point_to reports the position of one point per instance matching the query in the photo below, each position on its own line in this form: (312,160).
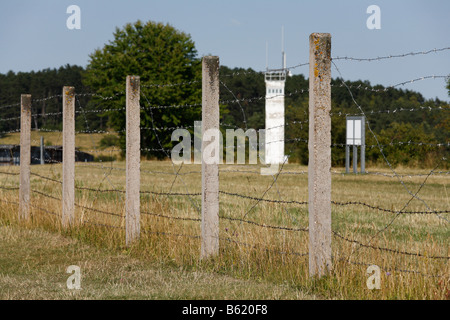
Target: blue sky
(34,36)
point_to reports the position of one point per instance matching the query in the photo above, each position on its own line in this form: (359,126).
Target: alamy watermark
(74,20)
(374,280)
(374,21)
(74,281)
(213,152)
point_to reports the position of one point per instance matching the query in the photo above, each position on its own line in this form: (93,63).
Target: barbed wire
(359,203)
(389,269)
(394,111)
(346,58)
(97,95)
(45,210)
(31,206)
(381,149)
(259,247)
(387,88)
(395,251)
(156,85)
(392,56)
(9,188)
(10,173)
(263,225)
(400,143)
(60,96)
(371,146)
(10,105)
(411,175)
(275,201)
(47,98)
(104,225)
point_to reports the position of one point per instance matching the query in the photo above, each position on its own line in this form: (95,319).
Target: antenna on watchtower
(267,55)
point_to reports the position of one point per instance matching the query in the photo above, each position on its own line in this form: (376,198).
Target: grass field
(261,243)
(33,265)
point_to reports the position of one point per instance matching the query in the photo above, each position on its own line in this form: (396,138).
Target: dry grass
(254,253)
(33,266)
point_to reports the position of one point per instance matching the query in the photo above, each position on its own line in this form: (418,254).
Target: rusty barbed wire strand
(402,55)
(389,270)
(337,203)
(88,222)
(395,251)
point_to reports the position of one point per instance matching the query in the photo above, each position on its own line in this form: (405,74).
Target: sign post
(356,136)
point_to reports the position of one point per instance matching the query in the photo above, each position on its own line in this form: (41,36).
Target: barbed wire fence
(170,191)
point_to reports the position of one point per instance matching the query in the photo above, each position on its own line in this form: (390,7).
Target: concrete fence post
(133,159)
(210,164)
(319,145)
(68,186)
(25,157)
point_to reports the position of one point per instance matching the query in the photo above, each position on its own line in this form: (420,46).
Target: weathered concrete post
(68,186)
(210,167)
(319,167)
(25,157)
(133,159)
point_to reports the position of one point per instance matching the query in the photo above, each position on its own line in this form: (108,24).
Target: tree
(166,61)
(45,87)
(242,84)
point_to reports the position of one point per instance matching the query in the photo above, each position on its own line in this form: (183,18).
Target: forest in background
(416,134)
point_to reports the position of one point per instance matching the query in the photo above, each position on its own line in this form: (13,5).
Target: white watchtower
(274,140)
(275,81)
